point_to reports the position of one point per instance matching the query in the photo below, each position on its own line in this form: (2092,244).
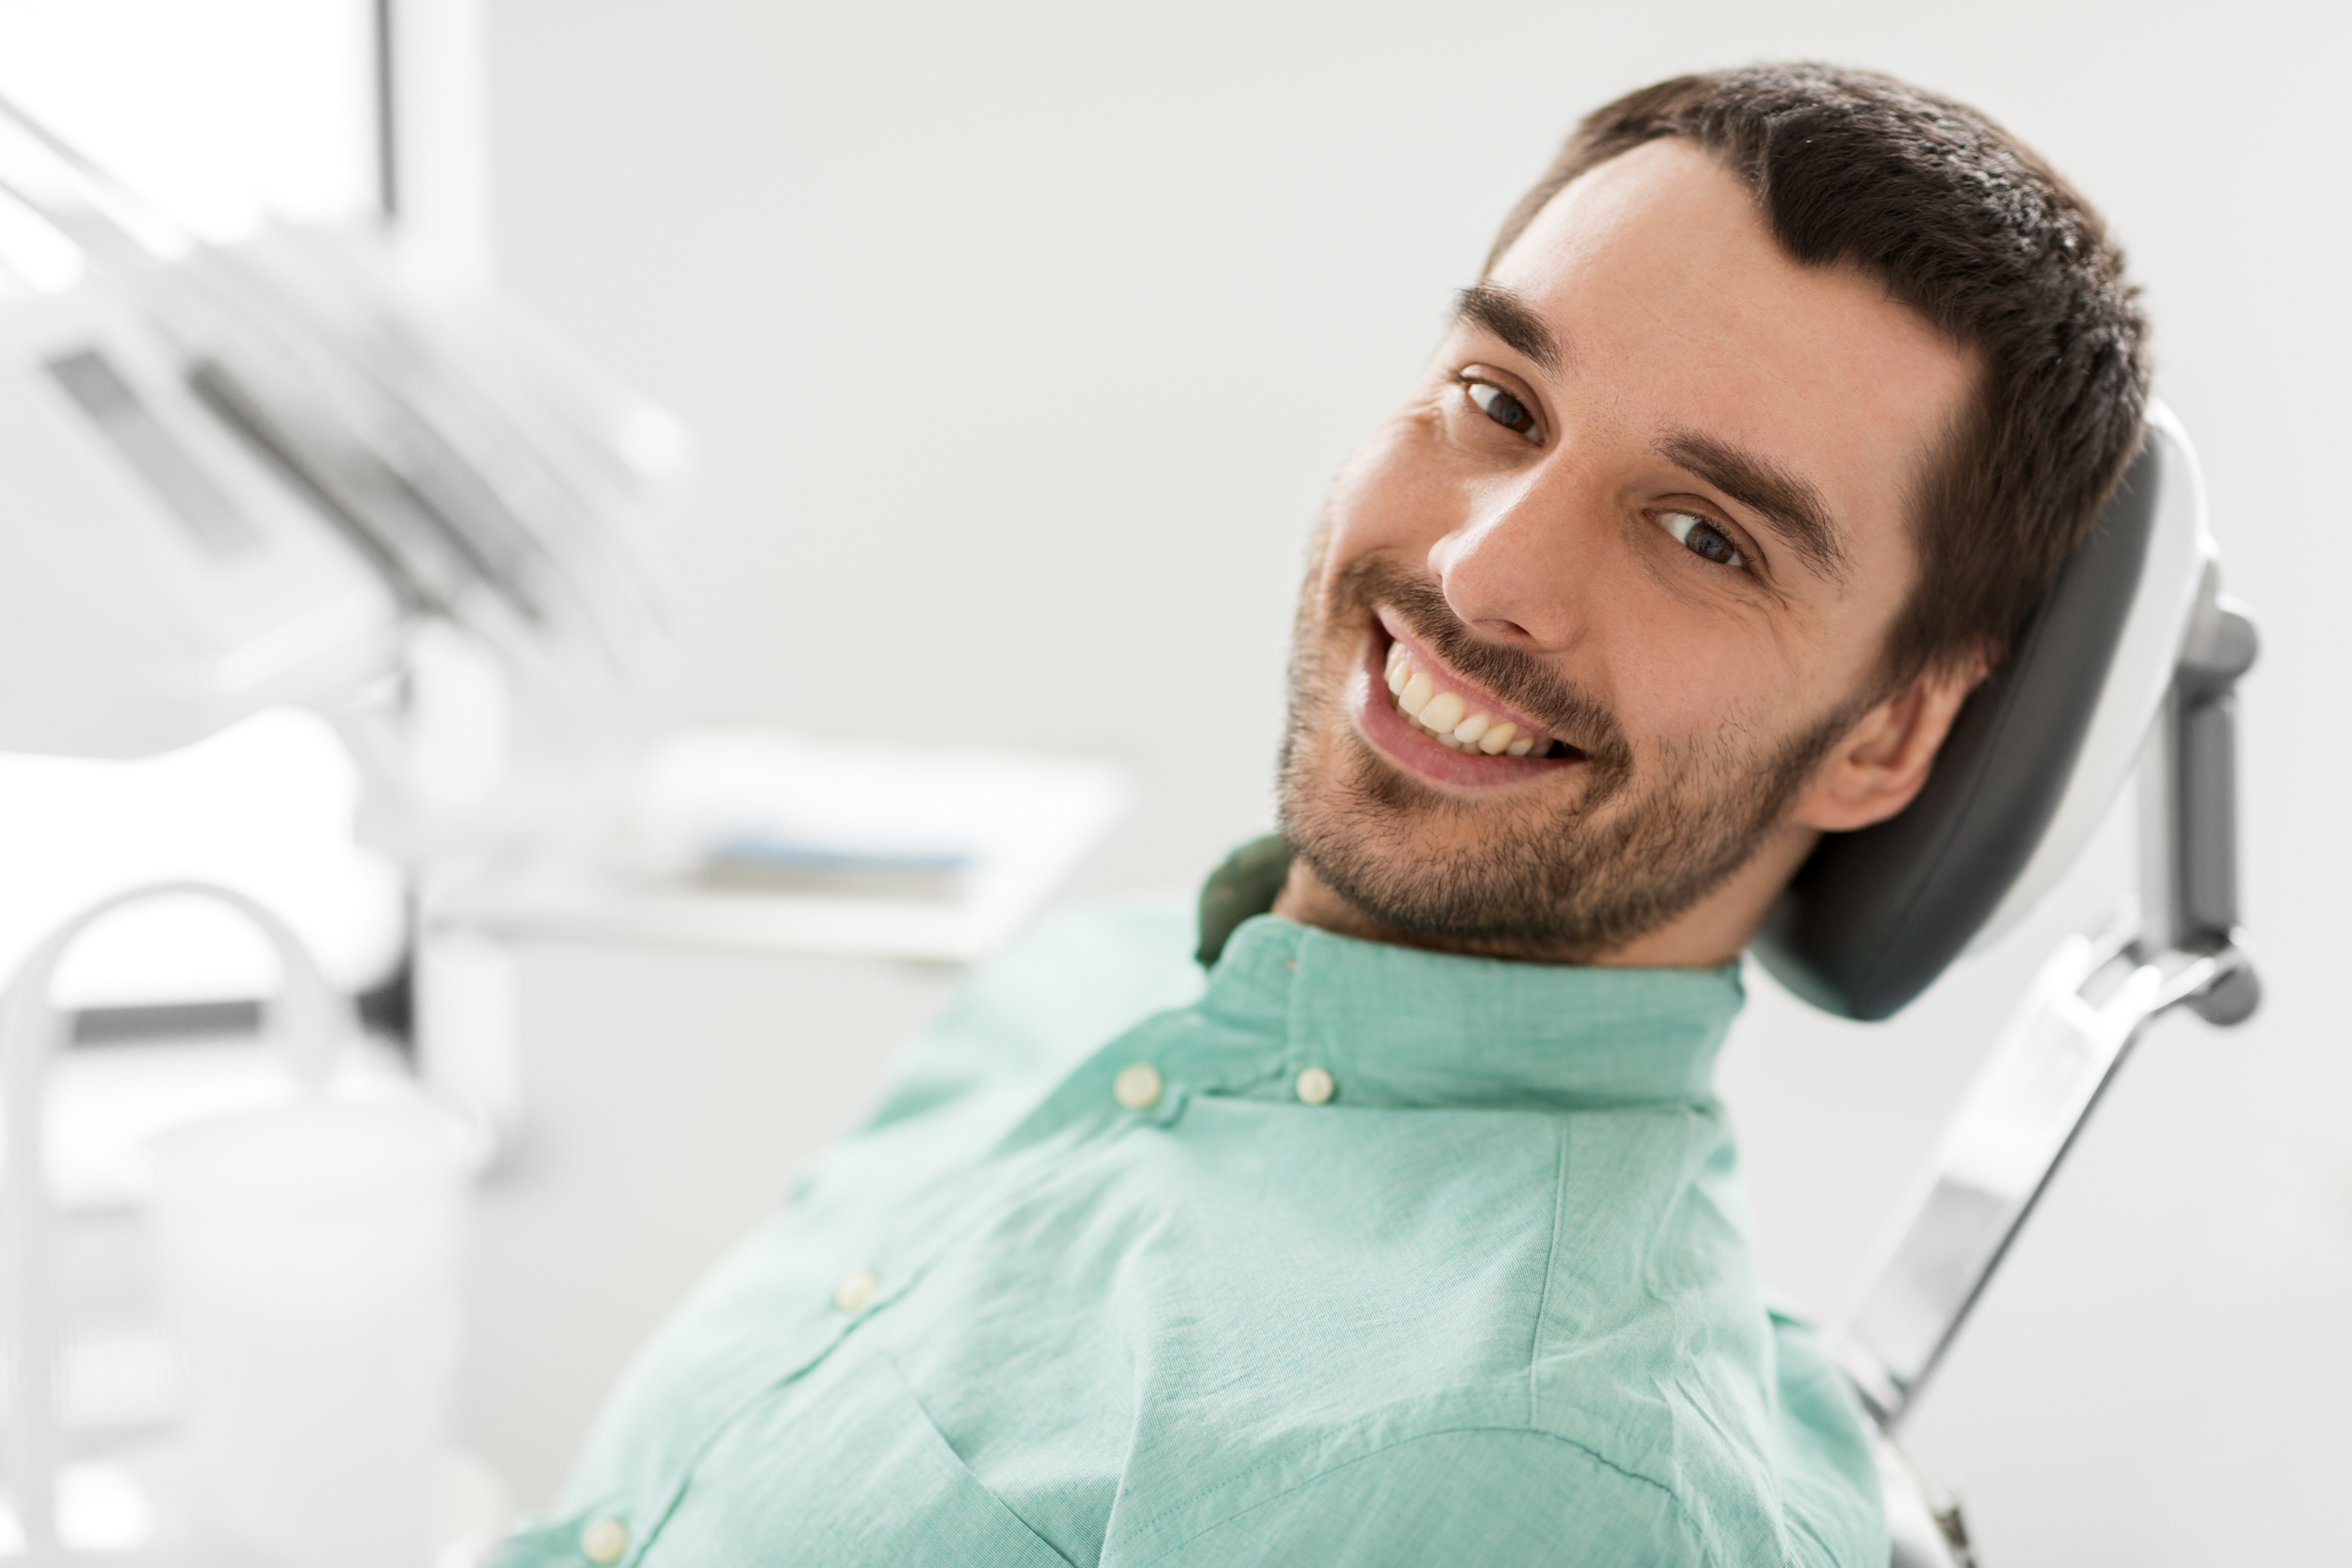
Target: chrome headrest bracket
(2086,1008)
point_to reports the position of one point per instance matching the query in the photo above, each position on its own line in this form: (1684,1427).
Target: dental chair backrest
(2129,664)
(2034,761)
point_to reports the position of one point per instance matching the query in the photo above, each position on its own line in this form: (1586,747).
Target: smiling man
(1598,633)
(1411,1235)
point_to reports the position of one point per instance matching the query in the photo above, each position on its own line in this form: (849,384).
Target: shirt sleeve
(1452,1497)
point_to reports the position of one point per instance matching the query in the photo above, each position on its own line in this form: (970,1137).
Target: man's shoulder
(1734,1407)
(1424,1484)
(1694,1428)
(1713,1440)
(1079,978)
(1440,1492)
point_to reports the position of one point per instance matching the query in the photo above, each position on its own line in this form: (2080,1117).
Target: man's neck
(1710,931)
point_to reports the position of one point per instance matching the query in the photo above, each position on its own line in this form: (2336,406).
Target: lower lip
(1374,710)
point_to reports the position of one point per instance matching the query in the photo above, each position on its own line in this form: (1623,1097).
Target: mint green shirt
(1488,1300)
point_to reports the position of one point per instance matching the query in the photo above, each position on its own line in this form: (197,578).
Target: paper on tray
(759,838)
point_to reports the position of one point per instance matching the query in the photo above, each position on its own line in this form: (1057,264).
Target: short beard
(1568,884)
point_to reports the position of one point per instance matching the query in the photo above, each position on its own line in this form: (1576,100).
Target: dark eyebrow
(1788,503)
(1502,312)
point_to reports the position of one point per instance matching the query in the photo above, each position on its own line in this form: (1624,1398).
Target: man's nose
(1519,566)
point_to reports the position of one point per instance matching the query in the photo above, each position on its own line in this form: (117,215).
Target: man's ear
(1881,760)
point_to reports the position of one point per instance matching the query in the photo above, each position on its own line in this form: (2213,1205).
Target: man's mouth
(1460,723)
(1413,705)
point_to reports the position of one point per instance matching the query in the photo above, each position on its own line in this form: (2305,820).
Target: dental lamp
(246,476)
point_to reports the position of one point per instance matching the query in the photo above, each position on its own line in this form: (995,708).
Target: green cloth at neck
(1247,884)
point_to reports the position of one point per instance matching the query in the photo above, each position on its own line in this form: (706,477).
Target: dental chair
(2130,663)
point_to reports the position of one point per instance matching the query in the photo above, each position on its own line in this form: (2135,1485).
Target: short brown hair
(1969,228)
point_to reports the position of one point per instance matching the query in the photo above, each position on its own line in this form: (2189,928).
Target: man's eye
(1504,409)
(1700,537)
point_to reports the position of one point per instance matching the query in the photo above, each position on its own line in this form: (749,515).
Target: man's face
(1649,509)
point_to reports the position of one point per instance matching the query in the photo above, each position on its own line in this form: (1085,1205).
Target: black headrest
(1874,916)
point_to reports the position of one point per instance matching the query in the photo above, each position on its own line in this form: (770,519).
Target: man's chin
(1506,874)
(1418,859)
(1414,804)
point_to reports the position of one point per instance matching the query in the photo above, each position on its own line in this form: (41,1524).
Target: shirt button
(1137,1087)
(1314,1086)
(856,1289)
(604,1541)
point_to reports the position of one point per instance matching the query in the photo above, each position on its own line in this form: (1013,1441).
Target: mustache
(1567,710)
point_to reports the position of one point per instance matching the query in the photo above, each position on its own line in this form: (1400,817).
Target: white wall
(1025,339)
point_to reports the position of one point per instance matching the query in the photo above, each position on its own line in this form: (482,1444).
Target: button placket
(1318,1049)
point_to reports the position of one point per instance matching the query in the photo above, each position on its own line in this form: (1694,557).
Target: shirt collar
(1399,1025)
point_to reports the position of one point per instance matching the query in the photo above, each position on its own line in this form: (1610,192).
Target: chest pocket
(841,1467)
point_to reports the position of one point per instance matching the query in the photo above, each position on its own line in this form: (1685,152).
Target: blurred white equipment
(275,475)
(310,1262)
(309,1256)
(755,839)
(237,480)
(244,477)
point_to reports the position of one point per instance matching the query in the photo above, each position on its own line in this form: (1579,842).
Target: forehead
(1680,313)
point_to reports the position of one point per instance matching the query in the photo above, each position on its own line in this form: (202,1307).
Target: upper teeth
(1446,717)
